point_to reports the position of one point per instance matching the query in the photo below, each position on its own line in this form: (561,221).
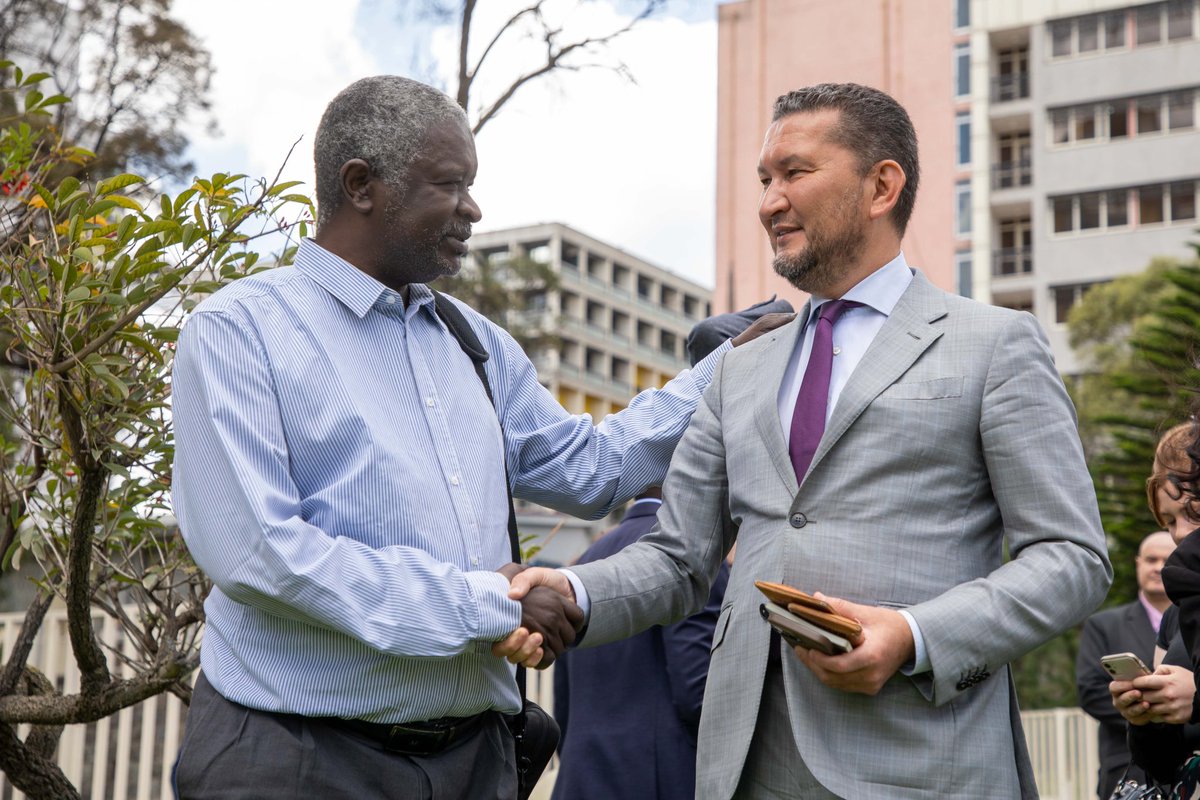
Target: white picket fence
(129,756)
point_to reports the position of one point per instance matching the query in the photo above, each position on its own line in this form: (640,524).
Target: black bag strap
(470,344)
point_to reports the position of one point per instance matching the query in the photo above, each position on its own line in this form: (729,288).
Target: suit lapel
(772,361)
(907,333)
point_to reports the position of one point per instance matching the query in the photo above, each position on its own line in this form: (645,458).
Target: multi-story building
(916,50)
(1085,149)
(621,325)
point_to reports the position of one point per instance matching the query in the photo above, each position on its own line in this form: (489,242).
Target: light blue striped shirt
(339,476)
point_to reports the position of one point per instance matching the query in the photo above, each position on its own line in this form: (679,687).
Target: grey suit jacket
(953,438)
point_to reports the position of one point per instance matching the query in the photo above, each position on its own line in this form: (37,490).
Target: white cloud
(632,164)
(277,67)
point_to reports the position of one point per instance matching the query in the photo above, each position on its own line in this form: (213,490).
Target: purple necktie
(808,418)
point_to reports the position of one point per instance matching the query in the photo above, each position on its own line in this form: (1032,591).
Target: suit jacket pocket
(936,389)
(722,626)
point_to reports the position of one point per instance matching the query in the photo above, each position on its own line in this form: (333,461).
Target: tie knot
(834,309)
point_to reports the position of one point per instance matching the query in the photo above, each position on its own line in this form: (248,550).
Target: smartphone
(1124,666)
(798,632)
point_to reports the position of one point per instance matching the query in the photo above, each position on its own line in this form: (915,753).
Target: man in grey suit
(883,450)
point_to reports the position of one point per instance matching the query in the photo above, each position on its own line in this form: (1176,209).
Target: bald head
(1152,555)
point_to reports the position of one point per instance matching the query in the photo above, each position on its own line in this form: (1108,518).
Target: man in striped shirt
(340,475)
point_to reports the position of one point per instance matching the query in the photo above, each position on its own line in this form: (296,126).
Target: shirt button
(429,402)
(837,351)
(797,520)
(391,300)
(474,562)
(454,480)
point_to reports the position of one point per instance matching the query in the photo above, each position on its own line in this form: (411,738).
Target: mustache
(457,230)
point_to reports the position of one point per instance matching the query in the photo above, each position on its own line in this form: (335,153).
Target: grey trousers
(774,769)
(230,751)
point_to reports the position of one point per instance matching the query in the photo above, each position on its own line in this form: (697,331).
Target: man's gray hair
(381,120)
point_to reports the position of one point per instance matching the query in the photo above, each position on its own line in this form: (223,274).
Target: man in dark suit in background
(1130,628)
(630,710)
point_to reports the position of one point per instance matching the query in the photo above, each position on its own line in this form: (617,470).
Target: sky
(630,163)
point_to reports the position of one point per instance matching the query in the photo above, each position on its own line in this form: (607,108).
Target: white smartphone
(1124,666)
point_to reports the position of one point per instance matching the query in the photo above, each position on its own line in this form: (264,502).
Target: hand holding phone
(1124,666)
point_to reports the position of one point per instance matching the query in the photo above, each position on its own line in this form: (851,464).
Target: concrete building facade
(621,324)
(768,47)
(1086,144)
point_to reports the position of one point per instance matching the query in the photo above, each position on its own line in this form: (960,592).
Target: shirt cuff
(581,595)
(920,662)
(703,371)
(498,615)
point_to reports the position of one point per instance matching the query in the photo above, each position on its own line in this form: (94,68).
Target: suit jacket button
(797,520)
(962,686)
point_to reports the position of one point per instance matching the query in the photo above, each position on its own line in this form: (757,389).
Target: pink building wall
(768,47)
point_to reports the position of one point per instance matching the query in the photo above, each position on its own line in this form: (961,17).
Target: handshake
(549,616)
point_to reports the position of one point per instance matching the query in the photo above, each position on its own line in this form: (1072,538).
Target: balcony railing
(1009,174)
(1012,261)
(1010,87)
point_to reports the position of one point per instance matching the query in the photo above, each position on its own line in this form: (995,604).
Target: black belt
(415,738)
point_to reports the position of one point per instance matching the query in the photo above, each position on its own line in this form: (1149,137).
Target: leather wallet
(807,607)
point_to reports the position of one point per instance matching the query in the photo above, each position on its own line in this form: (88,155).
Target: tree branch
(15,666)
(93,666)
(79,708)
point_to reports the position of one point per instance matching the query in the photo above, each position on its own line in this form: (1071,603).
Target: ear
(884,183)
(355,177)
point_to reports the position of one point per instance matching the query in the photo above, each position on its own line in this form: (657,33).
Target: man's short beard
(825,259)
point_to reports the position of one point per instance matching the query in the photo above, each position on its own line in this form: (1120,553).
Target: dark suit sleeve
(1090,678)
(562,693)
(1181,577)
(686,646)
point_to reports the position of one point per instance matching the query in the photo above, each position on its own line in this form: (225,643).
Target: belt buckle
(410,741)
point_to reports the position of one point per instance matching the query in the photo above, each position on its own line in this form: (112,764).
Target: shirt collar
(880,290)
(354,288)
(1152,613)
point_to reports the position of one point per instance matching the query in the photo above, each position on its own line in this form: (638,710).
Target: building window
(962,14)
(1014,166)
(1085,123)
(1118,119)
(1064,216)
(1152,24)
(1116,205)
(962,70)
(962,269)
(963,123)
(1060,38)
(1089,211)
(1060,125)
(1179,20)
(1148,24)
(1150,205)
(1065,298)
(1110,209)
(1181,111)
(1087,31)
(1151,114)
(962,217)
(1183,201)
(1114,30)
(1015,254)
(1012,74)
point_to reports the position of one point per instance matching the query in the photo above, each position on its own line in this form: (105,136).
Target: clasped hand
(884,645)
(1165,696)
(549,617)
